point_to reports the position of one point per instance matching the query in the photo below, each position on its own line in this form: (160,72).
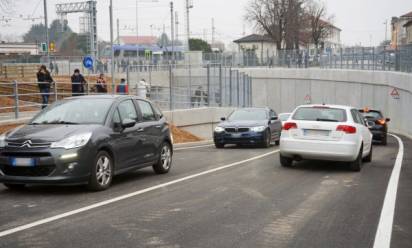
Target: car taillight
(289,125)
(346,129)
(381,122)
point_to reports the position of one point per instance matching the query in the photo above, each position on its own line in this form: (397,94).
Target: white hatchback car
(326,132)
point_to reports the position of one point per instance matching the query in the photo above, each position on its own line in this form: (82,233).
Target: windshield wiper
(328,120)
(61,122)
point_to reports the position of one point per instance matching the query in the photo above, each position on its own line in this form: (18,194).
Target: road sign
(43,47)
(395,94)
(308,99)
(88,62)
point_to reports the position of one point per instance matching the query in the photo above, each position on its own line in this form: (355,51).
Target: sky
(361,21)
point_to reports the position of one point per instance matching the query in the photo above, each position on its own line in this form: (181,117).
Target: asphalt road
(253,204)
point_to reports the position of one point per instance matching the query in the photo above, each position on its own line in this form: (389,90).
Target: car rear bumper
(319,150)
(378,134)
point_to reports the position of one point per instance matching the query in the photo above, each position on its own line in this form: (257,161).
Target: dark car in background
(86,140)
(378,124)
(249,126)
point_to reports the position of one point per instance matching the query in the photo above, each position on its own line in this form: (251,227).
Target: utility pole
(172,32)
(46,25)
(213,31)
(386,30)
(118,31)
(111,44)
(177,25)
(137,20)
(189,5)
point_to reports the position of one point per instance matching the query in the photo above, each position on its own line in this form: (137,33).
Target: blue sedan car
(249,126)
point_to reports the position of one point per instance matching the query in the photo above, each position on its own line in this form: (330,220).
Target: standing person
(44,81)
(122,88)
(142,88)
(101,86)
(56,68)
(78,83)
(198,96)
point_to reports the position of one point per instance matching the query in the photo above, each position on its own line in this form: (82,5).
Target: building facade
(399,30)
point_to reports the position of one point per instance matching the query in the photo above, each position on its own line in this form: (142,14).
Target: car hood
(47,133)
(251,123)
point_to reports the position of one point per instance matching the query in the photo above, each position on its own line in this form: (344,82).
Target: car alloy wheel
(103,170)
(165,159)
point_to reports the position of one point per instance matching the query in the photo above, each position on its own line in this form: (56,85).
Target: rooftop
(254,38)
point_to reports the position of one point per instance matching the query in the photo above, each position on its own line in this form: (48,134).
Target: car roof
(114,97)
(328,105)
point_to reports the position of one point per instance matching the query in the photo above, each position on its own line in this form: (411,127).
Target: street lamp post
(47,30)
(111,44)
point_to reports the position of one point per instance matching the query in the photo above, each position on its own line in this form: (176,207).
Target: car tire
(15,186)
(164,162)
(277,142)
(219,145)
(268,139)
(102,172)
(357,164)
(368,158)
(285,161)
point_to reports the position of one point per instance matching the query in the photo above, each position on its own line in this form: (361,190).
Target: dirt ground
(179,135)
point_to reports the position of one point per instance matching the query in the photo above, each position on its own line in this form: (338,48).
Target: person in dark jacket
(44,81)
(101,86)
(78,83)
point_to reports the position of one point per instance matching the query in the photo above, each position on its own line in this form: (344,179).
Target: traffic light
(52,46)
(43,47)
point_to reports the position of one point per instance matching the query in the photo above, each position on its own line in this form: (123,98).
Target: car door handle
(159,126)
(140,129)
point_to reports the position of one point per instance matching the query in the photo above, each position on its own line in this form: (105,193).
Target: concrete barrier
(200,121)
(284,89)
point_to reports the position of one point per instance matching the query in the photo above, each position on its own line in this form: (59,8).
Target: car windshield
(320,114)
(284,117)
(76,111)
(372,115)
(248,114)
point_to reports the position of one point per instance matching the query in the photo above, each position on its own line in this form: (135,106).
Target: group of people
(79,85)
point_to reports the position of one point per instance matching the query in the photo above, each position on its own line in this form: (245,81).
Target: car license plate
(310,132)
(236,135)
(23,162)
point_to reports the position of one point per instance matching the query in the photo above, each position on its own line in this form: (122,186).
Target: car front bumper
(50,166)
(319,150)
(239,138)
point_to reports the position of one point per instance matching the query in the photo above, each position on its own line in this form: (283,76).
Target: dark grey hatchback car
(86,140)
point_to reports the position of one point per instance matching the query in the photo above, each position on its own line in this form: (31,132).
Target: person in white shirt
(142,88)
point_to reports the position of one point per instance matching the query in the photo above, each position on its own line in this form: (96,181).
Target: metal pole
(208,85)
(172,32)
(170,88)
(111,44)
(47,30)
(244,90)
(137,20)
(230,87)
(16,99)
(220,86)
(238,88)
(118,31)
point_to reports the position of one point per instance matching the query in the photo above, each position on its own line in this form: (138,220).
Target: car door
(276,125)
(152,129)
(126,142)
(363,129)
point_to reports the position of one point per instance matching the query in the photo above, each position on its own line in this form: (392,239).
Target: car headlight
(258,129)
(74,141)
(3,142)
(219,129)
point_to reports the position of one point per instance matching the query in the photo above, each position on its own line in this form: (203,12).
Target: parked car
(284,117)
(326,132)
(86,140)
(378,124)
(252,126)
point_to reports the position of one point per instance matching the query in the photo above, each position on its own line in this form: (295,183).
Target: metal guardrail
(170,87)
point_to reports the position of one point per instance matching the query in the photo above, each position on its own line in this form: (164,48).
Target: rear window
(372,115)
(320,114)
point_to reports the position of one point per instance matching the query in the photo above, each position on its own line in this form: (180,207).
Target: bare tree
(6,6)
(320,25)
(279,19)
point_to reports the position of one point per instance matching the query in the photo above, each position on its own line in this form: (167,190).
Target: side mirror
(223,119)
(128,123)
(274,118)
(388,119)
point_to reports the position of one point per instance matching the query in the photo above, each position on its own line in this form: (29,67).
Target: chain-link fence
(359,58)
(170,87)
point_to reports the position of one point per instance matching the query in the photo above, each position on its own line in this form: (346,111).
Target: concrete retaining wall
(199,122)
(284,89)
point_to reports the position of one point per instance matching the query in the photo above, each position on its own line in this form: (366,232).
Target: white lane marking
(384,232)
(192,147)
(123,197)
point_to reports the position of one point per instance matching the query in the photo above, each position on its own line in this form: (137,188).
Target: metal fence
(170,87)
(360,58)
